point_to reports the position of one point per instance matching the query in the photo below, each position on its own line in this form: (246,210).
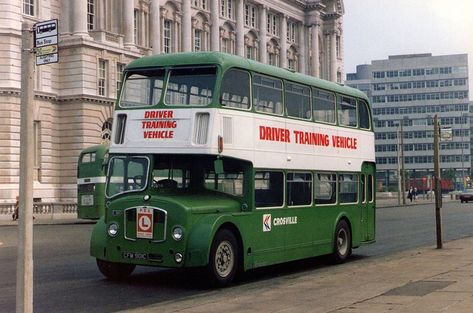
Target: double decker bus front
(159,207)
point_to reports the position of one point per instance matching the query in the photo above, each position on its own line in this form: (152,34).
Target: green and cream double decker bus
(226,164)
(91,172)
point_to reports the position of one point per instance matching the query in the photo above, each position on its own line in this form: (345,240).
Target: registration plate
(135,255)
(87,200)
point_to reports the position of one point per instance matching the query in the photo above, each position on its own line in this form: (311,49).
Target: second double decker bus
(228,164)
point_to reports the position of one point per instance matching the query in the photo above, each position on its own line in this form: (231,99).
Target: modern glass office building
(409,90)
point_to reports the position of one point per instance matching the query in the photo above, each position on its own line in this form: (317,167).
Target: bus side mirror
(218,166)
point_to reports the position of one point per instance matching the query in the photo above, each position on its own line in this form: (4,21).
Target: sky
(376,29)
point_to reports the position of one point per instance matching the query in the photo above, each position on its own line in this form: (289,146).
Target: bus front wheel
(115,271)
(223,259)
(342,242)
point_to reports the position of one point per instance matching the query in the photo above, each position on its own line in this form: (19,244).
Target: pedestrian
(410,193)
(17,207)
(415,194)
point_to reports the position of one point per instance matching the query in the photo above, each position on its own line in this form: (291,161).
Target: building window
(291,31)
(200,4)
(226,45)
(197,40)
(120,69)
(226,8)
(337,43)
(102,78)
(167,38)
(90,14)
(136,26)
(250,15)
(37,150)
(272,24)
(28,7)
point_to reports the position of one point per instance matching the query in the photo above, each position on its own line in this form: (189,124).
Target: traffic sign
(46,42)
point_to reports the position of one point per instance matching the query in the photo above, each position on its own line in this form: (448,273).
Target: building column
(79,18)
(64,20)
(129,22)
(303,48)
(214,27)
(186,41)
(333,55)
(262,34)
(240,31)
(283,41)
(155,21)
(315,65)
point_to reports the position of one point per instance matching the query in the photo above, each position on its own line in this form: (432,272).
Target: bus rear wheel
(342,242)
(223,259)
(115,271)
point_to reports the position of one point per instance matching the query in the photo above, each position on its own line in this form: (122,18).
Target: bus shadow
(195,280)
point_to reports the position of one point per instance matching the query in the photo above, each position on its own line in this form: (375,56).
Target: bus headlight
(177,233)
(112,229)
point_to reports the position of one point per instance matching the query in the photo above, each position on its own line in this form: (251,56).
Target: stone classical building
(74,98)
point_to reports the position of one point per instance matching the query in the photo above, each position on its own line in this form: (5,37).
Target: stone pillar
(283,40)
(64,20)
(155,31)
(303,48)
(214,27)
(240,32)
(128,23)
(333,56)
(315,66)
(79,18)
(186,41)
(262,34)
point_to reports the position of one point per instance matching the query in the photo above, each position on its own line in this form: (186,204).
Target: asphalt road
(66,278)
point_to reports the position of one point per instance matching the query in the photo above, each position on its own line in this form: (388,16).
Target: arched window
(292,58)
(273,52)
(200,33)
(170,28)
(251,46)
(227,38)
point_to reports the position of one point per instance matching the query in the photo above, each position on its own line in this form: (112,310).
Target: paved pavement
(420,280)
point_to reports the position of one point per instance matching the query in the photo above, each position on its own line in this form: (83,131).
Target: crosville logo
(266,222)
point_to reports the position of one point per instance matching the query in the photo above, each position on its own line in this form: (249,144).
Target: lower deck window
(231,183)
(325,188)
(299,189)
(269,189)
(348,188)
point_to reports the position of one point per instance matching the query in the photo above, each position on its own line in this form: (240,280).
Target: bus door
(368,213)
(269,240)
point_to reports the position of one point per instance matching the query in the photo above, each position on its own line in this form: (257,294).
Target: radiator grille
(228,130)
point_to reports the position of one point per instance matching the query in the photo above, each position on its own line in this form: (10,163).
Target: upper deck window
(191,86)
(347,114)
(267,94)
(298,101)
(363,111)
(235,89)
(143,88)
(324,106)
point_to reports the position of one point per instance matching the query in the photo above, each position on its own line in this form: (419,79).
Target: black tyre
(223,259)
(115,271)
(342,242)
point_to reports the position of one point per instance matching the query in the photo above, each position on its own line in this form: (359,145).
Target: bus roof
(226,60)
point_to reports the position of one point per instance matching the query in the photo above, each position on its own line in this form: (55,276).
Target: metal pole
(24,274)
(399,183)
(403,173)
(463,165)
(438,189)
